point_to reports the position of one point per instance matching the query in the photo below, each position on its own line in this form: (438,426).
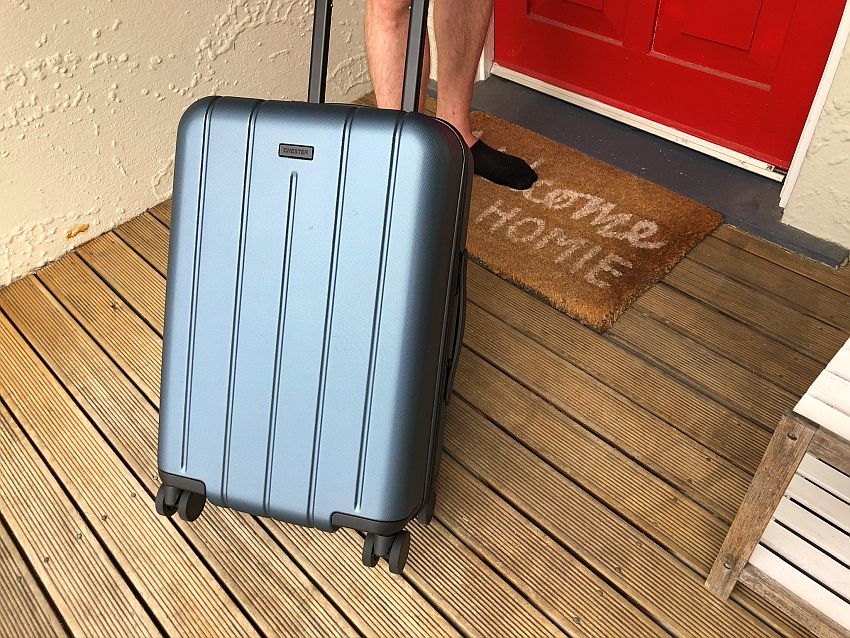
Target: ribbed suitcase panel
(356,319)
(302,342)
(212,320)
(184,242)
(409,354)
(272,190)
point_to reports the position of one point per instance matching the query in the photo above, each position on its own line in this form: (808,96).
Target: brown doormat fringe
(587,237)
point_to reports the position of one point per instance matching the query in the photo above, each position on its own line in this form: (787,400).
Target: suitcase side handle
(413,58)
(460,322)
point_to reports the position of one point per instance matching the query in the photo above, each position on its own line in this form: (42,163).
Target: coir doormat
(587,237)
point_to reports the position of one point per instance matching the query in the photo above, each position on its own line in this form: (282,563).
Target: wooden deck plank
(764,312)
(668,590)
(693,414)
(118,264)
(693,468)
(260,571)
(122,333)
(477,599)
(808,296)
(162,212)
(149,238)
(177,587)
(677,523)
(85,586)
(707,372)
(576,598)
(758,353)
(836,278)
(25,610)
(376,601)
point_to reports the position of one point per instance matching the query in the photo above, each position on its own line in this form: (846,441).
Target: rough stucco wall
(91,93)
(820,202)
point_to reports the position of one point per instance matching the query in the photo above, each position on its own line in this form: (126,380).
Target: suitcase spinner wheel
(172,500)
(394,548)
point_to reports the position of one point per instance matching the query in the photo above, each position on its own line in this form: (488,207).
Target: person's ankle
(502,168)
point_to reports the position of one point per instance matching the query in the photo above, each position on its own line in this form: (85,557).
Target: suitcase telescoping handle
(412,64)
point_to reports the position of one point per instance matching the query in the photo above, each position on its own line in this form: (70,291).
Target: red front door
(740,73)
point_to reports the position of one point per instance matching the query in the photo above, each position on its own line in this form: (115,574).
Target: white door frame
(818,104)
(486,61)
(486,66)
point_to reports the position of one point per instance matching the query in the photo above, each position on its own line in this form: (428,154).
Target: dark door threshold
(746,200)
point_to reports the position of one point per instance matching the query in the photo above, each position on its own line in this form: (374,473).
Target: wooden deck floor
(588,480)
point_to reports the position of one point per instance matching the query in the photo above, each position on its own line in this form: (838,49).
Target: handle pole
(413,59)
(414,55)
(319,52)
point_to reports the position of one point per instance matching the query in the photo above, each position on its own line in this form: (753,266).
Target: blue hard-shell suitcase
(314,310)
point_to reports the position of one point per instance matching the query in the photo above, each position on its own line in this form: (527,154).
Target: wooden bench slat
(826,477)
(832,390)
(797,582)
(808,558)
(820,501)
(812,527)
(840,363)
(824,415)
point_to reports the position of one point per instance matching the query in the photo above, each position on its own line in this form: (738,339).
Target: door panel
(739,73)
(730,22)
(742,38)
(604,18)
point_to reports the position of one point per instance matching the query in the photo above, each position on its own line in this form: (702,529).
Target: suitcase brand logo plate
(295,151)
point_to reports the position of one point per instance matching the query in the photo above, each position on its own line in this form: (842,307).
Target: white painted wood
(819,501)
(813,528)
(810,591)
(824,415)
(815,111)
(840,363)
(485,63)
(833,390)
(685,139)
(825,476)
(808,558)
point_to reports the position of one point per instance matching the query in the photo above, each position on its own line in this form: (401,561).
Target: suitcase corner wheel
(394,548)
(170,500)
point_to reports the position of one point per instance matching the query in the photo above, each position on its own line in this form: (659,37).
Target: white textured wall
(820,202)
(91,92)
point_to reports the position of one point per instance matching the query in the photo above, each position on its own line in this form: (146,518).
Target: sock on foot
(501,168)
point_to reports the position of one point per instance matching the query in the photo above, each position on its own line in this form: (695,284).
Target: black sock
(501,168)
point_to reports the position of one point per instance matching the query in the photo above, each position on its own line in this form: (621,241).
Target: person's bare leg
(461,28)
(387,22)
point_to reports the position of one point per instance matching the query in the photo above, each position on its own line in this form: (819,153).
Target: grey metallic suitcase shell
(314,309)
